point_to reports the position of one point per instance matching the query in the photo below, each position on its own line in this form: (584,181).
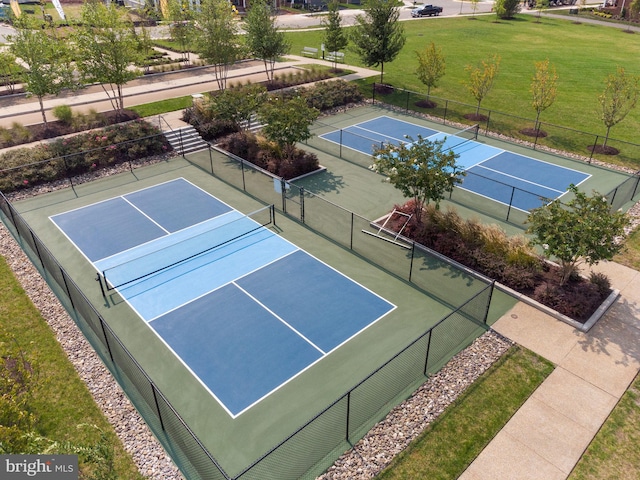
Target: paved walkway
(549,433)
(154,88)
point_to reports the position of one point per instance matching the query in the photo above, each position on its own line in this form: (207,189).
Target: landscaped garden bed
(511,261)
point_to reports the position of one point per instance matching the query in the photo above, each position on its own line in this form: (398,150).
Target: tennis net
(462,137)
(133,268)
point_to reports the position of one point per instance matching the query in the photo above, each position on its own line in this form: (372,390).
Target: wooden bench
(310,52)
(335,57)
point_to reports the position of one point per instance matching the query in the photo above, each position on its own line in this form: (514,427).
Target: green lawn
(615,451)
(60,399)
(583,55)
(448,446)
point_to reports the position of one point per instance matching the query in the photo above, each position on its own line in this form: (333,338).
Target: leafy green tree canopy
(506,9)
(431,66)
(422,170)
(49,69)
(287,121)
(378,36)
(335,38)
(582,230)
(263,38)
(618,98)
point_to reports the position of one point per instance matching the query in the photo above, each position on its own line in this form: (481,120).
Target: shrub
(63,113)
(82,153)
(601,281)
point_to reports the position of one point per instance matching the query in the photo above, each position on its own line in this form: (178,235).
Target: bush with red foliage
(526,273)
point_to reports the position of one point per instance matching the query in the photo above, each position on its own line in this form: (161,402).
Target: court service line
(279,318)
(479,165)
(144,214)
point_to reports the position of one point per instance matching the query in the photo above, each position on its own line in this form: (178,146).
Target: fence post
(283,189)
(373,93)
(210,158)
(340,153)
(486,312)
(595,144)
(407,103)
(302,204)
(352,225)
(635,189)
(155,399)
(446,107)
(486,128)
(348,414)
(413,249)
(426,357)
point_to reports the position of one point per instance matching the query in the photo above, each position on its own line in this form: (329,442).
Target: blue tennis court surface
(215,284)
(503,176)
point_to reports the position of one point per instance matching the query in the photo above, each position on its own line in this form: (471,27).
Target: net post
(513,191)
(272,214)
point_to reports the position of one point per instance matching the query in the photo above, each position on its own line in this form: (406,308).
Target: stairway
(186,140)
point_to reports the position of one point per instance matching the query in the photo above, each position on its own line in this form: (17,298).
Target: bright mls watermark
(50,467)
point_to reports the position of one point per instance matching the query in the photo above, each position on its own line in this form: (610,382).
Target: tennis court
(213,284)
(500,175)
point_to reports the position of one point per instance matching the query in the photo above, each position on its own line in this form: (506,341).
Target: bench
(310,52)
(335,57)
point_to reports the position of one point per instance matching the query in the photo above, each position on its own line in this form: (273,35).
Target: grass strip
(163,106)
(60,399)
(615,451)
(449,445)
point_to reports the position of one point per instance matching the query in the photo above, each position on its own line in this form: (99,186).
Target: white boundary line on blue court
(179,358)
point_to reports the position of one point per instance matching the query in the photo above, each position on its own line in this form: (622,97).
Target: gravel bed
(147,453)
(406,421)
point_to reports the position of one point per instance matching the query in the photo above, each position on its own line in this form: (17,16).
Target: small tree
(238,104)
(541,5)
(431,67)
(46,56)
(263,39)
(481,79)
(421,170)
(543,88)
(9,70)
(106,47)
(217,37)
(181,26)
(506,9)
(334,37)
(378,36)
(583,230)
(618,99)
(287,122)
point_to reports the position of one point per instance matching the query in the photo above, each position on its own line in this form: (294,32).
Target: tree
(431,67)
(286,122)
(481,79)
(378,36)
(583,230)
(541,5)
(10,72)
(263,38)
(181,26)
(217,37)
(46,56)
(506,9)
(107,48)
(238,105)
(543,88)
(421,170)
(334,37)
(618,99)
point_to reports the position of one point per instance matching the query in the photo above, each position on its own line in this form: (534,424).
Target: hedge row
(80,154)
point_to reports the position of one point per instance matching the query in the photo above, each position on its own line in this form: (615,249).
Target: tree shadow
(322,182)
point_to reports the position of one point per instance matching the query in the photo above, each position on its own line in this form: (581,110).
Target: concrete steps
(186,140)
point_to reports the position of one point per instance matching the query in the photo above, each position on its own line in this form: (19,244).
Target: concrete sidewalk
(154,88)
(549,433)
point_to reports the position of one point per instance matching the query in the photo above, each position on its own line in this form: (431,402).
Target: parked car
(426,11)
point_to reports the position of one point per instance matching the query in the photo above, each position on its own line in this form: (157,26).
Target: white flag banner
(58,5)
